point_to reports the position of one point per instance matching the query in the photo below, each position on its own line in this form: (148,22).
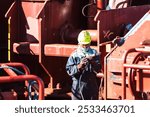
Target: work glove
(82,64)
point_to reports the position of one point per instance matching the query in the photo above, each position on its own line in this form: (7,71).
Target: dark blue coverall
(84,85)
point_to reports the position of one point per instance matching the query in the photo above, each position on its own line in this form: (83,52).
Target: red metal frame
(13,77)
(114,87)
(4,79)
(16,64)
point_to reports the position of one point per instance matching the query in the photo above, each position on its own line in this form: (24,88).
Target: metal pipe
(99,75)
(105,43)
(135,66)
(16,64)
(10,72)
(129,83)
(140,80)
(124,73)
(10,10)
(131,76)
(5,79)
(100,4)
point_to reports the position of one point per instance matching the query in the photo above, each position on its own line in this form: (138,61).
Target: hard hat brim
(85,43)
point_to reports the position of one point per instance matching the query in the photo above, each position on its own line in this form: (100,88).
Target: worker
(83,65)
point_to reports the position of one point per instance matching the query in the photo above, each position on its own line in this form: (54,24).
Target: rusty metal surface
(139,68)
(41,23)
(26,48)
(139,32)
(30,29)
(43,35)
(113,21)
(62,50)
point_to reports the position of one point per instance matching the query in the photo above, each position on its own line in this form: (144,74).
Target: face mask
(85,49)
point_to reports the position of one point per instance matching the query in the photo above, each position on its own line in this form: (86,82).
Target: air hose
(35,97)
(29,87)
(14,69)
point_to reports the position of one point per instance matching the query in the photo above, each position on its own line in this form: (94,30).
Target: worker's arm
(74,66)
(71,67)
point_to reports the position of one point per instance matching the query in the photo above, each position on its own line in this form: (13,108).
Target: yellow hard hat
(84,37)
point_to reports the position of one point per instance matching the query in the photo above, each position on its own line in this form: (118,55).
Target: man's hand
(82,64)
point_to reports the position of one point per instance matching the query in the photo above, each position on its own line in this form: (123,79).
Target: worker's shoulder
(74,53)
(93,50)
